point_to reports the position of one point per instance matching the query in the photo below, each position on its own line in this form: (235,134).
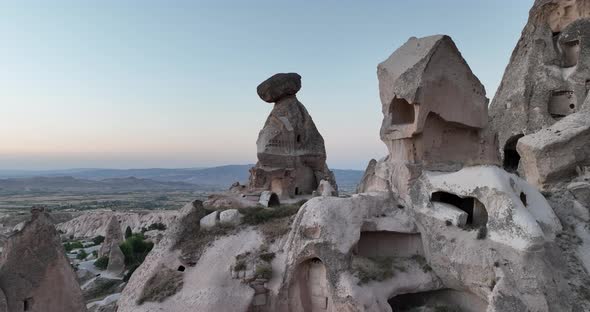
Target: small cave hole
(28,304)
(401,112)
(181,268)
(570,53)
(477,215)
(562,103)
(511,156)
(523,199)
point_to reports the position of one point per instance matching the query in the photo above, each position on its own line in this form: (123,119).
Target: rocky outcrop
(437,225)
(94,223)
(113,237)
(557,152)
(547,77)
(434,110)
(290,149)
(35,274)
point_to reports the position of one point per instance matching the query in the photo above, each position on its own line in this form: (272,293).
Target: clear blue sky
(173,83)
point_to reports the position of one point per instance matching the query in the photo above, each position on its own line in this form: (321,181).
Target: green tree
(82,254)
(98,240)
(128,232)
(102,262)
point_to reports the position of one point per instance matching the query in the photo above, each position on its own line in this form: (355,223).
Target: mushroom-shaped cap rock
(279,86)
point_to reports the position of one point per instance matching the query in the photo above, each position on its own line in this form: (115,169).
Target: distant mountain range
(99,180)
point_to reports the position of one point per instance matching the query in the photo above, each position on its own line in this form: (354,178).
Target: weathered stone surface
(34,271)
(209,220)
(269,199)
(116,264)
(434,111)
(547,76)
(581,191)
(290,149)
(554,153)
(93,223)
(279,86)
(326,189)
(230,216)
(113,237)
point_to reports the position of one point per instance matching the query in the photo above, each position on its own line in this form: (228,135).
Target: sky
(169,84)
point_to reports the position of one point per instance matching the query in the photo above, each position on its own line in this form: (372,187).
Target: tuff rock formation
(113,237)
(35,274)
(434,111)
(548,76)
(432,229)
(290,149)
(93,223)
(438,224)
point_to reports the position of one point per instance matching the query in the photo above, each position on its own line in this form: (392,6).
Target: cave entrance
(511,156)
(438,300)
(274,201)
(401,112)
(388,244)
(311,287)
(476,212)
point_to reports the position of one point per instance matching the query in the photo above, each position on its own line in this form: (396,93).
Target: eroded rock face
(547,77)
(434,110)
(94,223)
(113,237)
(35,274)
(290,149)
(554,153)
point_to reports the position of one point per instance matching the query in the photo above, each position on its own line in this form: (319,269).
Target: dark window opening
(476,212)
(181,268)
(27,304)
(523,198)
(401,112)
(298,138)
(437,300)
(296,191)
(511,156)
(273,201)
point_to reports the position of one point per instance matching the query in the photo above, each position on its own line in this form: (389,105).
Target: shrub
(263,271)
(135,249)
(258,215)
(98,240)
(422,262)
(82,254)
(240,265)
(267,256)
(102,262)
(163,284)
(72,245)
(95,253)
(373,269)
(157,226)
(128,232)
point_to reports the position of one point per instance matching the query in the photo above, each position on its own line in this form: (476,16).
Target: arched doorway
(511,156)
(310,287)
